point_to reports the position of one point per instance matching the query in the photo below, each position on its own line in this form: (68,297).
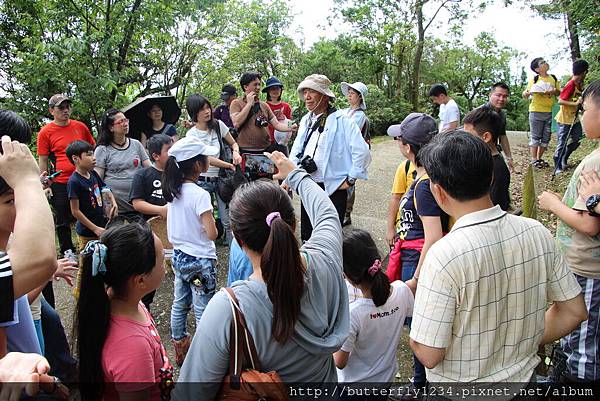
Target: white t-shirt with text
(374,336)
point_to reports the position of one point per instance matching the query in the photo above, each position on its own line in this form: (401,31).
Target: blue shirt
(240,267)
(347,153)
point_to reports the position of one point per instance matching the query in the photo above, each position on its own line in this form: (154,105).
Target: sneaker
(347,221)
(181,349)
(544,163)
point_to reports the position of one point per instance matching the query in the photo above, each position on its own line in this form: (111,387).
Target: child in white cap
(192,231)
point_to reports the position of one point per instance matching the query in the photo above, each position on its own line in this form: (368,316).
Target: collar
(479,217)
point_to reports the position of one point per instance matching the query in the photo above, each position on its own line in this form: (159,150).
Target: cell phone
(258,165)
(54,175)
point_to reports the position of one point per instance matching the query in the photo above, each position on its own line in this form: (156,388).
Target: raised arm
(32,252)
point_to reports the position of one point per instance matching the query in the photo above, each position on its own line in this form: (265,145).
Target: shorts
(539,125)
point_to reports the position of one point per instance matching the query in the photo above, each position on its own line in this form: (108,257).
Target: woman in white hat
(356,93)
(329,147)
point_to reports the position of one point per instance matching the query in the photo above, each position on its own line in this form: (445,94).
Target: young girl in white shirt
(192,231)
(376,319)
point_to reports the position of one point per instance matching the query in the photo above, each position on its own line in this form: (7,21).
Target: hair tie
(375,267)
(98,251)
(272,216)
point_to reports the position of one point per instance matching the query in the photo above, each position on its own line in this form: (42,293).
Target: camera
(308,164)
(261,122)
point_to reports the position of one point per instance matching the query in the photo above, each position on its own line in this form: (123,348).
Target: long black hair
(176,172)
(360,255)
(106,136)
(130,251)
(280,263)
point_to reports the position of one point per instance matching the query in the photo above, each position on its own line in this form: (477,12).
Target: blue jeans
(410,259)
(189,291)
(40,333)
(564,148)
(211,187)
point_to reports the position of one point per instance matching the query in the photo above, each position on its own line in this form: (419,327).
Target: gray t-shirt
(322,326)
(119,167)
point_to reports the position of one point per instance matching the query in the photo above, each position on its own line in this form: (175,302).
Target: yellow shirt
(402,181)
(539,102)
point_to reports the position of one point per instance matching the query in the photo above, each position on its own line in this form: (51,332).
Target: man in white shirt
(449,112)
(480,308)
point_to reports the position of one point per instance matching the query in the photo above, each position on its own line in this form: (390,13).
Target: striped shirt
(7,297)
(482,296)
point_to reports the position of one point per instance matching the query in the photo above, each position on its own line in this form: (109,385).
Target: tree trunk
(414,90)
(573,36)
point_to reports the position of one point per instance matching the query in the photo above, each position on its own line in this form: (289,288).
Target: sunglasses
(121,121)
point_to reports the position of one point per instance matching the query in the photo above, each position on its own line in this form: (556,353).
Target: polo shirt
(483,293)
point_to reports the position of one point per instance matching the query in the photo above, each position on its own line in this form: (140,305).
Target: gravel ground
(369,213)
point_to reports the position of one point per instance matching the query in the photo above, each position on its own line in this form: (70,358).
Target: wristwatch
(351,181)
(591,204)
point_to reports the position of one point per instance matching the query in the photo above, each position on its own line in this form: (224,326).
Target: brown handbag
(247,384)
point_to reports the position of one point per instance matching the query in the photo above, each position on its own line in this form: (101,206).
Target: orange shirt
(54,139)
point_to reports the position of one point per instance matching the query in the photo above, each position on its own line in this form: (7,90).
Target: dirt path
(370,212)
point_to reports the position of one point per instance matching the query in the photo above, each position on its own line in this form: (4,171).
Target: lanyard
(312,129)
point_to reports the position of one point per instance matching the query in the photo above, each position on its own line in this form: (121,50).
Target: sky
(514,26)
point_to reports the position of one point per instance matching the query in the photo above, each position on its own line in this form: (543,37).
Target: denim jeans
(211,187)
(188,293)
(564,148)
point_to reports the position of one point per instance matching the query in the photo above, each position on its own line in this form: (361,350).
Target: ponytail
(362,264)
(283,273)
(274,238)
(176,172)
(129,250)
(91,329)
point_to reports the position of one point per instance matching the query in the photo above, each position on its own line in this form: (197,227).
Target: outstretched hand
(284,165)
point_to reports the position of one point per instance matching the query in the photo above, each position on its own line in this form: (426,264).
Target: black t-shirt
(146,185)
(168,129)
(88,191)
(7,296)
(499,188)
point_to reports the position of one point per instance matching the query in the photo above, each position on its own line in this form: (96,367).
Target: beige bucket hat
(317,82)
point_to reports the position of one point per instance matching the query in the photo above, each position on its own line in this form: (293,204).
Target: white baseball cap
(190,147)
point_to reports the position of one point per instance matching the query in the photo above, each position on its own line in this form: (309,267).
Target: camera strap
(319,124)
(255,109)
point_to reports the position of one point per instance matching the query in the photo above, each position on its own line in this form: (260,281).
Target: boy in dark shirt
(486,123)
(85,196)
(146,190)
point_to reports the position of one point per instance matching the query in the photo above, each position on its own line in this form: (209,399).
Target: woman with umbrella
(151,115)
(157,125)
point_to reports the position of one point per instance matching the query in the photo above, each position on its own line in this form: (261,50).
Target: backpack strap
(406,167)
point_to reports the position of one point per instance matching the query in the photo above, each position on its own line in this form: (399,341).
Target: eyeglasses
(121,121)
(64,106)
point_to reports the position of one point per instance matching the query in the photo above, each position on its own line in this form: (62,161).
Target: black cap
(227,91)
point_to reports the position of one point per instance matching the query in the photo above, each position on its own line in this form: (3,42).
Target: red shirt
(55,139)
(281,111)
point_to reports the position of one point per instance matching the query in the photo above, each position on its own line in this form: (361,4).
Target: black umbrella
(137,112)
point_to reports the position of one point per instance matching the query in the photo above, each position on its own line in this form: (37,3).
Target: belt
(208,179)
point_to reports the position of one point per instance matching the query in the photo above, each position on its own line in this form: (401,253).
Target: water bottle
(69,254)
(106,202)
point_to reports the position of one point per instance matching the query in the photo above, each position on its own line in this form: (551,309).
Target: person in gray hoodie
(295,302)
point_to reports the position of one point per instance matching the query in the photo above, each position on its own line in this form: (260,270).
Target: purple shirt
(222,113)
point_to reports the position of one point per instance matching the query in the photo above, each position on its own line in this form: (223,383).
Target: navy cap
(271,82)
(417,128)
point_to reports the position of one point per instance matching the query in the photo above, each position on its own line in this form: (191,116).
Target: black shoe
(347,222)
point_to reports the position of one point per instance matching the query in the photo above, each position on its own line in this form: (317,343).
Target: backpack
(365,131)
(242,383)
